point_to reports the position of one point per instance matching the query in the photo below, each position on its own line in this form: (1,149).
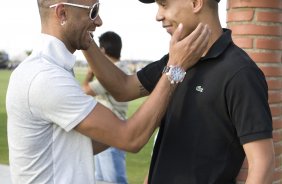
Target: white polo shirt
(44,103)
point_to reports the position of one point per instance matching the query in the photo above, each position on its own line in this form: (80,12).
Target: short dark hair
(112,44)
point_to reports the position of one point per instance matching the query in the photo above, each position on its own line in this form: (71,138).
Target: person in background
(54,128)
(218,114)
(110,165)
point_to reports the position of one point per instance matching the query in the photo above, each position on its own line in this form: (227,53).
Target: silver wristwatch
(175,74)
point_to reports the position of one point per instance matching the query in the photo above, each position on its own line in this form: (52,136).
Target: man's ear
(61,13)
(197,5)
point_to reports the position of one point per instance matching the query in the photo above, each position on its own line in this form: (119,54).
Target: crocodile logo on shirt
(200,89)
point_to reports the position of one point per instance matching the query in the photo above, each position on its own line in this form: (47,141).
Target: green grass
(137,164)
(4,77)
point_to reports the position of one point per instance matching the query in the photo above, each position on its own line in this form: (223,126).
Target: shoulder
(235,61)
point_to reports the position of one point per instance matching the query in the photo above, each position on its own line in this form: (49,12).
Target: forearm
(110,76)
(98,147)
(147,118)
(132,134)
(261,160)
(261,173)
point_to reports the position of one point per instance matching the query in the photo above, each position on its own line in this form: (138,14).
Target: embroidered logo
(199,88)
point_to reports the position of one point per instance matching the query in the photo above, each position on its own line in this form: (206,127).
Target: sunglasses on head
(94,10)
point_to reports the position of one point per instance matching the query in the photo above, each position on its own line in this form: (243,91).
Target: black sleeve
(150,75)
(247,101)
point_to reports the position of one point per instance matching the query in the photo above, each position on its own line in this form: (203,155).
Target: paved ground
(5,174)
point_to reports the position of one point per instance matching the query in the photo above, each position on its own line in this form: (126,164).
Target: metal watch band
(166,69)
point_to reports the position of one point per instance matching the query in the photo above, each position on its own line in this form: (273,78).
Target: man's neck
(216,33)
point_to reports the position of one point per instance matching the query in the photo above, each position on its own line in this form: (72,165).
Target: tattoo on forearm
(143,91)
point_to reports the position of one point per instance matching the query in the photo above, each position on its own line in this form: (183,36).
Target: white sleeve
(57,97)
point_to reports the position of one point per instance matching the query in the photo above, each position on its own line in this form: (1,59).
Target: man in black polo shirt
(219,112)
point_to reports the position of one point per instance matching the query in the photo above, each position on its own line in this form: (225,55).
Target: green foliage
(137,164)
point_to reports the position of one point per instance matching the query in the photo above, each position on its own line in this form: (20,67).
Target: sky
(142,36)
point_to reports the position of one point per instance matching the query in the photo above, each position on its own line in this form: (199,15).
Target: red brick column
(257,28)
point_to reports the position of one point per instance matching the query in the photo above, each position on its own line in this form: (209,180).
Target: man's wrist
(175,74)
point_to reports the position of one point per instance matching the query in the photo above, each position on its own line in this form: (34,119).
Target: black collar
(220,45)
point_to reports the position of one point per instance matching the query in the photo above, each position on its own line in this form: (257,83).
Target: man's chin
(169,33)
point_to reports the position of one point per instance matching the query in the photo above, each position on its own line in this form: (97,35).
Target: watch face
(176,74)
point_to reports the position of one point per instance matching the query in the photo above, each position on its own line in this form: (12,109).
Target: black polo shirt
(221,104)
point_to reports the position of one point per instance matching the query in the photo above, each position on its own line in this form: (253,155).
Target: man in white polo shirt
(53,126)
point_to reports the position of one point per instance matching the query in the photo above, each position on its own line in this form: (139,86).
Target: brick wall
(257,27)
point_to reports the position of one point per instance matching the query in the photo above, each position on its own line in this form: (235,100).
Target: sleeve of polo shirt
(150,74)
(61,99)
(247,101)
